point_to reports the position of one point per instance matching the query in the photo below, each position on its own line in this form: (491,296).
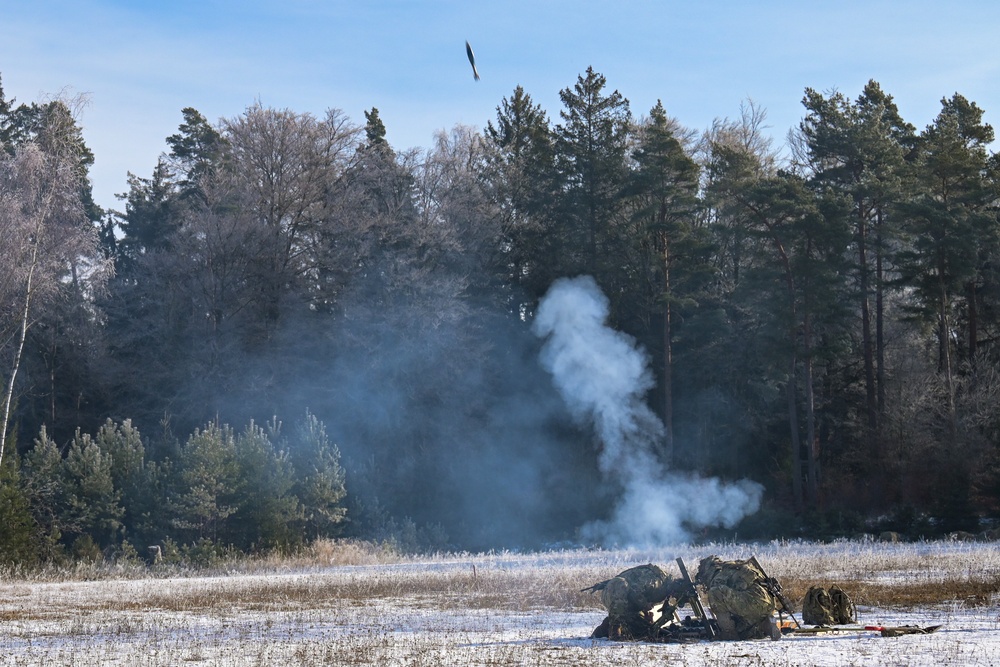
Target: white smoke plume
(603,377)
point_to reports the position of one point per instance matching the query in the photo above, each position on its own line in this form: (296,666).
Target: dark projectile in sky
(472,60)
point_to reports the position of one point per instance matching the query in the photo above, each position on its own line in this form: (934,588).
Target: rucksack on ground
(842,607)
(817,608)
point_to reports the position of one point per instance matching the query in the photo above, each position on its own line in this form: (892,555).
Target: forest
(292,329)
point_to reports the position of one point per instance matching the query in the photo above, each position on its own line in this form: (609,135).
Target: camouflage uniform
(741,604)
(631,597)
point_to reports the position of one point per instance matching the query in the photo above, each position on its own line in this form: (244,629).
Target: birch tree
(48,247)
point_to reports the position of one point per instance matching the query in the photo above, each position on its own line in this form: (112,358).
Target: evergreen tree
(122,444)
(795,284)
(591,149)
(53,127)
(669,245)
(522,182)
(739,409)
(93,508)
(320,480)
(952,227)
(42,481)
(378,185)
(207,485)
(375,130)
(17,539)
(856,151)
(7,122)
(196,151)
(151,217)
(267,513)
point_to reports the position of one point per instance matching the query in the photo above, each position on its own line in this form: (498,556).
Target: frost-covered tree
(267,511)
(207,484)
(93,507)
(48,246)
(320,480)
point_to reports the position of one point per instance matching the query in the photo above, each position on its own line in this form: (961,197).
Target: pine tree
(267,512)
(320,480)
(951,226)
(7,122)
(591,148)
(42,482)
(93,507)
(857,150)
(196,151)
(207,485)
(122,444)
(17,539)
(794,282)
(375,130)
(151,216)
(522,182)
(665,191)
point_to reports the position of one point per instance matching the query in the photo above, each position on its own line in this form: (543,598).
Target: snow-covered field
(494,609)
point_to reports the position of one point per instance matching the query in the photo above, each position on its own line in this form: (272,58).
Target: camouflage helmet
(708,567)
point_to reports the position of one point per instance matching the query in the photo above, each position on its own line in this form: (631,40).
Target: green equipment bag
(843,609)
(817,608)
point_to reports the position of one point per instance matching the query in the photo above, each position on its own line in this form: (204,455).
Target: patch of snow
(117,622)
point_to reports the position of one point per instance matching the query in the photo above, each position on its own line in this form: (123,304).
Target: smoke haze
(603,377)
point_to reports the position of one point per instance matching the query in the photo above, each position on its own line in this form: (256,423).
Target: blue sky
(140,63)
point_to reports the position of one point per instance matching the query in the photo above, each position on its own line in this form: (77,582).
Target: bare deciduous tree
(47,246)
(287,165)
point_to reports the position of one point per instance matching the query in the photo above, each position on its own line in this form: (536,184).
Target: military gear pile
(821,607)
(744,603)
(642,603)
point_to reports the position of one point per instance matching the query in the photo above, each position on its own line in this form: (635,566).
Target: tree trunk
(879,323)
(812,443)
(867,348)
(668,361)
(972,310)
(25,314)
(945,360)
(792,387)
(793,423)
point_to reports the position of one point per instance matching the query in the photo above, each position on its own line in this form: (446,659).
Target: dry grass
(326,552)
(320,554)
(337,573)
(511,590)
(906,594)
(900,576)
(352,603)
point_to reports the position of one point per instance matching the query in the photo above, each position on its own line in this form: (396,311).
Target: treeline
(820,319)
(220,493)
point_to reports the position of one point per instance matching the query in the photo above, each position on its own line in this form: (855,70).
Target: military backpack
(833,607)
